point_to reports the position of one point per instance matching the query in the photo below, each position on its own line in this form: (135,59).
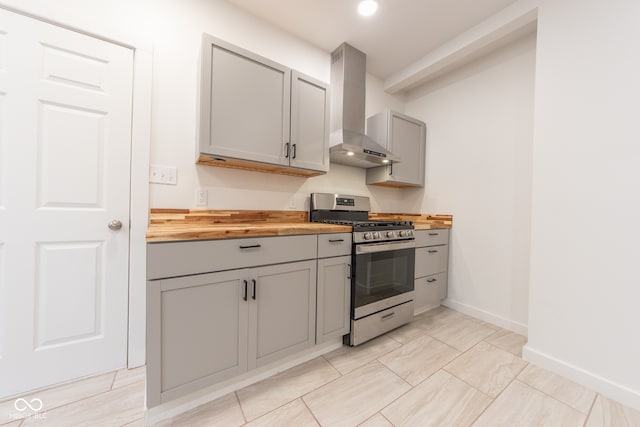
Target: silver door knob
(115,225)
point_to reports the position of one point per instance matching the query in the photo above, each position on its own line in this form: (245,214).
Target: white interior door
(65,143)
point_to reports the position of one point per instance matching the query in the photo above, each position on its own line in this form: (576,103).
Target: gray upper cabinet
(405,137)
(258,114)
(309,123)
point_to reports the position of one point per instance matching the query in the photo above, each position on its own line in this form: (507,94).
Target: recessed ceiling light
(385,161)
(349,153)
(367,7)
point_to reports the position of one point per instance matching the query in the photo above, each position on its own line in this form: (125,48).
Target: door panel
(65,116)
(63,130)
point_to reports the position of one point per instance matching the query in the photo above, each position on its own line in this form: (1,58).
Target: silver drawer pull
(388,316)
(431,280)
(434,234)
(250,246)
(336,240)
(433,251)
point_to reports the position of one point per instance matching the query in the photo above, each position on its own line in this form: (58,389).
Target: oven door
(383,276)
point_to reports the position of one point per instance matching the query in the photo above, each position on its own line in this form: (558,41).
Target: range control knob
(402,233)
(367,236)
(390,234)
(409,233)
(376,235)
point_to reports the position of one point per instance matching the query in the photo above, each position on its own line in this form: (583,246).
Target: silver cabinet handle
(388,316)
(434,234)
(431,280)
(286,151)
(250,246)
(336,240)
(115,224)
(294,151)
(432,251)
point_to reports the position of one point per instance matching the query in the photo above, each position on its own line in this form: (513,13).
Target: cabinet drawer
(430,291)
(337,244)
(431,260)
(436,236)
(184,258)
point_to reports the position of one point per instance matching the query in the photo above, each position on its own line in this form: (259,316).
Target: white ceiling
(399,34)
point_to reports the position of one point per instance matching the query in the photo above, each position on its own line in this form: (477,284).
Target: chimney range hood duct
(349,145)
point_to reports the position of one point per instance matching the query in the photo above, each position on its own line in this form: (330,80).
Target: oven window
(382,275)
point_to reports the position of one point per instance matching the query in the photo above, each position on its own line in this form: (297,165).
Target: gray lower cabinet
(334,298)
(334,286)
(282,311)
(214,310)
(197,333)
(431,270)
(405,137)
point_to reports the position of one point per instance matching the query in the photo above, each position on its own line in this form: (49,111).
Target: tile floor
(443,369)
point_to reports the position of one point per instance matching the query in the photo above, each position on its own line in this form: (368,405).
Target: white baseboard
(607,388)
(209,394)
(486,316)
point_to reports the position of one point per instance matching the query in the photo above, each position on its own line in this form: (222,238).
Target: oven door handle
(383,247)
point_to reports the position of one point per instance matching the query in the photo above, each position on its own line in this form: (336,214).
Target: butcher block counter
(184,224)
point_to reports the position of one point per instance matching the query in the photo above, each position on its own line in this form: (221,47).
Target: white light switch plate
(163,175)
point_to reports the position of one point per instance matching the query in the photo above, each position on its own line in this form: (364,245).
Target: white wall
(479,141)
(175,29)
(585,251)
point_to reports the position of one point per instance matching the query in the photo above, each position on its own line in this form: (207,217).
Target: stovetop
(371,225)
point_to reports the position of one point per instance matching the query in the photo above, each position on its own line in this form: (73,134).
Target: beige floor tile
(12,424)
(524,406)
(292,414)
(346,359)
(114,408)
(408,332)
(376,421)
(507,340)
(487,368)
(129,376)
(61,395)
(136,423)
(224,411)
(462,334)
(558,387)
(441,400)
(271,393)
(419,359)
(608,413)
(355,397)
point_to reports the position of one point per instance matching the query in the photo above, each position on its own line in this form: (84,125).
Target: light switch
(163,175)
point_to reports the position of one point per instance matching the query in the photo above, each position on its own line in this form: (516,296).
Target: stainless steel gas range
(382,264)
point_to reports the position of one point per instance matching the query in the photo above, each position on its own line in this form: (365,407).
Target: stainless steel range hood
(349,144)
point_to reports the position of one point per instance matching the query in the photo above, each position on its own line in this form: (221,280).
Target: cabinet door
(334,298)
(429,292)
(197,333)
(407,140)
(282,311)
(309,123)
(245,104)
(431,260)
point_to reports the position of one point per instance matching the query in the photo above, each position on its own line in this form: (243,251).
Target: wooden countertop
(183,224)
(175,224)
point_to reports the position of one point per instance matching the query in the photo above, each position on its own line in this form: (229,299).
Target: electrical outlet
(163,175)
(292,202)
(202,197)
